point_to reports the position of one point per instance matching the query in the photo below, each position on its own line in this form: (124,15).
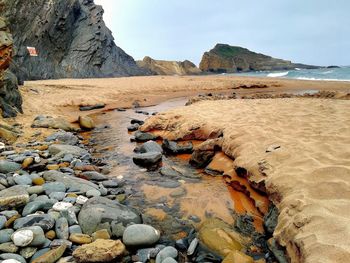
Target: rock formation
(230,59)
(70,37)
(10,97)
(162,67)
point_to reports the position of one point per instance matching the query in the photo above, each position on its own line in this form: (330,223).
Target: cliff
(70,37)
(230,59)
(10,97)
(162,67)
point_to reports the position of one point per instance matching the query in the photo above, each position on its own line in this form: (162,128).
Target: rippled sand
(300,148)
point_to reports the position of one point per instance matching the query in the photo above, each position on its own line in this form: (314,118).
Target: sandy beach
(62,97)
(298,148)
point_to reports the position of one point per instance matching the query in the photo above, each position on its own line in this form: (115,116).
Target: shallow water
(151,192)
(173,204)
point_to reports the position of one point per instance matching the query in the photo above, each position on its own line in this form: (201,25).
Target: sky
(313,32)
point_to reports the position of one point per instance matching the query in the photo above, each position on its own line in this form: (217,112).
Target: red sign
(32,51)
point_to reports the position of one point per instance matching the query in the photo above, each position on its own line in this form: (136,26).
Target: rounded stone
(27,161)
(101,234)
(22,238)
(54,187)
(38,181)
(167,252)
(11,261)
(5,235)
(169,260)
(3,221)
(50,235)
(81,199)
(22,180)
(61,206)
(140,235)
(93,193)
(80,239)
(38,189)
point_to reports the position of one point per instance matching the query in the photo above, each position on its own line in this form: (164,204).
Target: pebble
(5,235)
(80,239)
(27,162)
(38,189)
(54,187)
(8,167)
(101,234)
(22,238)
(22,180)
(192,247)
(28,252)
(38,181)
(50,235)
(12,256)
(81,199)
(3,221)
(10,261)
(75,229)
(140,235)
(61,228)
(167,252)
(61,206)
(8,247)
(57,195)
(93,193)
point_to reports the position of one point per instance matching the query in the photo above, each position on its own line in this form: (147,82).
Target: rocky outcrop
(230,59)
(163,67)
(10,97)
(70,37)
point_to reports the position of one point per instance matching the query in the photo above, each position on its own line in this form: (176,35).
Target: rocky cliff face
(10,97)
(230,59)
(162,67)
(70,37)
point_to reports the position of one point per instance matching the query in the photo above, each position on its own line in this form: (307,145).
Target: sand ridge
(300,148)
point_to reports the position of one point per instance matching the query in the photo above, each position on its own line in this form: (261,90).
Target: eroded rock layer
(70,37)
(163,67)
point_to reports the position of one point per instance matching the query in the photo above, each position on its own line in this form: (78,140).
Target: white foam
(278,74)
(341,80)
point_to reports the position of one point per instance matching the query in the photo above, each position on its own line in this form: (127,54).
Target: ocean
(327,74)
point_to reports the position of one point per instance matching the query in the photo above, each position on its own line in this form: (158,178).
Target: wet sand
(298,148)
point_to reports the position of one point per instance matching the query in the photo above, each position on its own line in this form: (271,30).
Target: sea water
(330,74)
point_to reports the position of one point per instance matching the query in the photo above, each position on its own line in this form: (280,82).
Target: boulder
(101,250)
(99,210)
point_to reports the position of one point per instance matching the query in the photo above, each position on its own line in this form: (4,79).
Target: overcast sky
(306,31)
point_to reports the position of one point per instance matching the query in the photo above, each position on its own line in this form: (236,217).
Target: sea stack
(224,58)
